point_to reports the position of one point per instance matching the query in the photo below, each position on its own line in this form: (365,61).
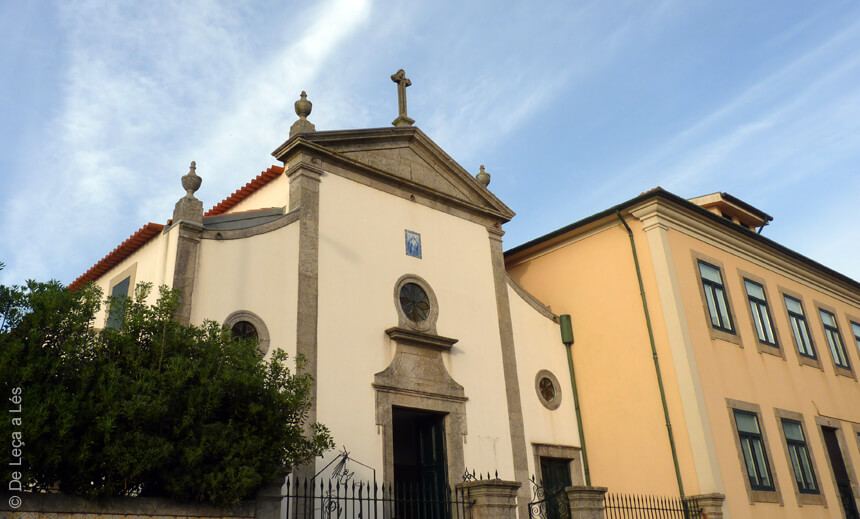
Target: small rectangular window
(760,313)
(834,339)
(799,328)
(752,446)
(120,293)
(801,463)
(715,297)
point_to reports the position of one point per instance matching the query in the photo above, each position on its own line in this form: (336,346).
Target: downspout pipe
(654,354)
(567,339)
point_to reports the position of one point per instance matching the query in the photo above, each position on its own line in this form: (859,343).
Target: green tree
(153,408)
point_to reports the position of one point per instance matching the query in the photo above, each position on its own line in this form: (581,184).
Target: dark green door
(556,477)
(420,468)
(843,483)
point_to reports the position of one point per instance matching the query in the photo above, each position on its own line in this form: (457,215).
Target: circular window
(414,302)
(248,325)
(244,330)
(548,389)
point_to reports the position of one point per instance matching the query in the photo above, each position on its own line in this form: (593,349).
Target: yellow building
(708,358)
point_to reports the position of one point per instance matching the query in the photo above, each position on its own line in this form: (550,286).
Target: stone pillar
(585,502)
(185,267)
(268,502)
(188,215)
(509,369)
(493,498)
(304,173)
(710,504)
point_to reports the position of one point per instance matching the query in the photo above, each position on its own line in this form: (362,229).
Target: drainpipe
(654,354)
(567,339)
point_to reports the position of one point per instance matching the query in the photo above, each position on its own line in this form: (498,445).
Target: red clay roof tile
(148,231)
(134,242)
(240,194)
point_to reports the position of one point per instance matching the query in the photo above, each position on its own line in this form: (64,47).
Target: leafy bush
(153,408)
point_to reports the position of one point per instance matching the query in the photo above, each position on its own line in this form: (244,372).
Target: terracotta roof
(134,242)
(262,179)
(145,233)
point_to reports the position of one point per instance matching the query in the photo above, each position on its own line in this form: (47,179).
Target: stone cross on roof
(402,82)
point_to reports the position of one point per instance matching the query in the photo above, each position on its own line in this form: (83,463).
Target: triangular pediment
(408,155)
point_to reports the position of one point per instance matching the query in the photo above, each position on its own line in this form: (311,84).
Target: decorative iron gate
(548,503)
(635,507)
(310,499)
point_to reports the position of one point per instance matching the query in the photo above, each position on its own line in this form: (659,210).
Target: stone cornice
(661,213)
(494,211)
(235,234)
(532,301)
(423,340)
(422,394)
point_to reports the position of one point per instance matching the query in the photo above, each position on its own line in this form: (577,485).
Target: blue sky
(572,106)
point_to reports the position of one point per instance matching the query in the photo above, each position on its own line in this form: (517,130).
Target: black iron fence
(335,499)
(626,506)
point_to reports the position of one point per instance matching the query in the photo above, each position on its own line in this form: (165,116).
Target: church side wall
(592,277)
(548,423)
(361,257)
(256,274)
(152,263)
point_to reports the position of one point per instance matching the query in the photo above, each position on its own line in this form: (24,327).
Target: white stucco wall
(274,194)
(257,274)
(152,263)
(361,256)
(539,347)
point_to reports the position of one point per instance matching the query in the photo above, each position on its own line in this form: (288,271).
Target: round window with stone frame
(548,389)
(248,325)
(416,304)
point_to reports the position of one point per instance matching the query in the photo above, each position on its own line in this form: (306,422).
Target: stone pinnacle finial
(402,82)
(188,208)
(190,181)
(483,177)
(303,110)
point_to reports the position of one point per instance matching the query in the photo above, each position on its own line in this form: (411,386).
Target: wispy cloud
(791,111)
(149,87)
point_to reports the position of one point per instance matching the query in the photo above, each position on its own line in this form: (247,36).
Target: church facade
(378,258)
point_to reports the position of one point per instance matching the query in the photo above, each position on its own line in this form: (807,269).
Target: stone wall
(56,506)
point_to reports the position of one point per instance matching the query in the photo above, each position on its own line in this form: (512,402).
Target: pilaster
(304,173)
(509,367)
(185,268)
(656,225)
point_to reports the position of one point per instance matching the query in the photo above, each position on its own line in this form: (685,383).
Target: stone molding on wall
(235,234)
(534,302)
(482,206)
(417,378)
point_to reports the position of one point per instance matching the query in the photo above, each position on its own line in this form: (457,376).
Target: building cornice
(701,223)
(663,213)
